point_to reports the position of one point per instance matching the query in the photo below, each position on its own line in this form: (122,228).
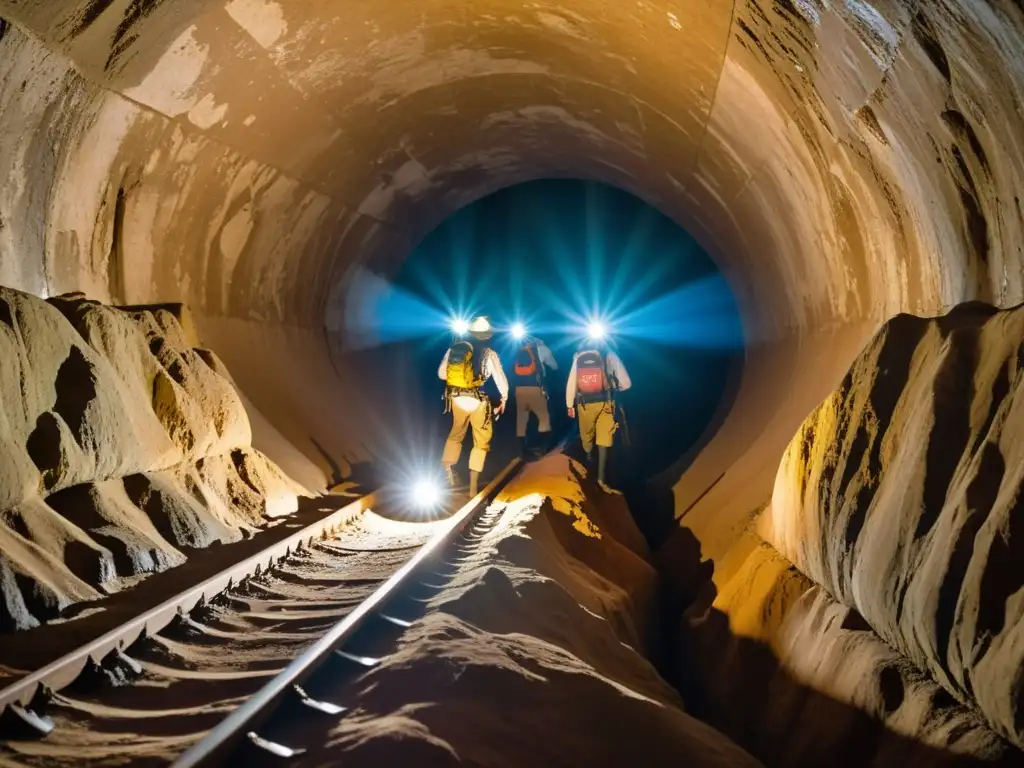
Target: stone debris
(123,449)
(546,628)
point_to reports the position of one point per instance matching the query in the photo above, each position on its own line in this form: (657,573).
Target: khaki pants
(531,400)
(597,420)
(469,412)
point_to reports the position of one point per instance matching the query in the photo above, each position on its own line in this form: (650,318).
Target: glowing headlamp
(426,493)
(460,326)
(596,330)
(518,331)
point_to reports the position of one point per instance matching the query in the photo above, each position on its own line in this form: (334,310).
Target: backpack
(525,364)
(591,377)
(461,372)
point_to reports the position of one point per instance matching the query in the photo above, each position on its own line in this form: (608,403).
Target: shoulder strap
(479,354)
(609,371)
(537,362)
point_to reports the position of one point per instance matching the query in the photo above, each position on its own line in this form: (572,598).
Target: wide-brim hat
(480,328)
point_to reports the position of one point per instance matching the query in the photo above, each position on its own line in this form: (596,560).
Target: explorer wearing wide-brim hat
(465,368)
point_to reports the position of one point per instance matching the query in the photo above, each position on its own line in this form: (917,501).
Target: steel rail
(65,670)
(217,745)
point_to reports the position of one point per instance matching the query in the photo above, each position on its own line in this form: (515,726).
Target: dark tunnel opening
(554,254)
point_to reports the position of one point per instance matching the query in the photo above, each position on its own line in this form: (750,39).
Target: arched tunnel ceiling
(400,116)
(843,161)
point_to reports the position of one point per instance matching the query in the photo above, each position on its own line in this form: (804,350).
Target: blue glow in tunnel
(544,271)
(701,314)
(378,312)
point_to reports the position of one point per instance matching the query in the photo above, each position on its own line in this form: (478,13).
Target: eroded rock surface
(123,448)
(878,599)
(535,654)
(797,678)
(900,495)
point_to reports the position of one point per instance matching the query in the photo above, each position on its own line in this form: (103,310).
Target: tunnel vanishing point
(845,162)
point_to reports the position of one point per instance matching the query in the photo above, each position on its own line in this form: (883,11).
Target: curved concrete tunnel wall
(841,161)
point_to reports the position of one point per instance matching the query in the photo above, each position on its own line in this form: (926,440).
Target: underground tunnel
(844,583)
(548,256)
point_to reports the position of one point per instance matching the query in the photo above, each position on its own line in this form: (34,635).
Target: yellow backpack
(461,372)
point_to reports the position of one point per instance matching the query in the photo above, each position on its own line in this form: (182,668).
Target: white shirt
(546,358)
(490,367)
(616,371)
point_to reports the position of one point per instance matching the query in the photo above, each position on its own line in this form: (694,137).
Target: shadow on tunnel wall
(652,500)
(395,421)
(739,685)
(364,474)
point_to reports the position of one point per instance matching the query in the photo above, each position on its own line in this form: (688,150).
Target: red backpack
(590,373)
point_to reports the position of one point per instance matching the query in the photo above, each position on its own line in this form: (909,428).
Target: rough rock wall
(872,149)
(102,191)
(534,655)
(878,597)
(798,679)
(887,146)
(900,495)
(122,448)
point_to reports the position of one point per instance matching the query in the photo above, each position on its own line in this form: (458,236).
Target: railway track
(201,679)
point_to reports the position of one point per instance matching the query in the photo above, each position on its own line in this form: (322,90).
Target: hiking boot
(607,488)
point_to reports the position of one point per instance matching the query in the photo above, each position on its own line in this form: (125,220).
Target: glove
(572,413)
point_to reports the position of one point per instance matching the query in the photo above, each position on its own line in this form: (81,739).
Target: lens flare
(460,326)
(597,330)
(426,493)
(518,331)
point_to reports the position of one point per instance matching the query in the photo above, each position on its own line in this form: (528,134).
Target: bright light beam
(700,314)
(597,330)
(460,326)
(518,331)
(426,494)
(377,312)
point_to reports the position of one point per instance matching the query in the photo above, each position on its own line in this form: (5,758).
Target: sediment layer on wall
(901,496)
(797,678)
(122,449)
(878,598)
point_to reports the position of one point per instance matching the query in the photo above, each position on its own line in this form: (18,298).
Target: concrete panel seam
(190,129)
(714,94)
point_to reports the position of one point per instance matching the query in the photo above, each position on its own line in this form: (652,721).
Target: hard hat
(480,327)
